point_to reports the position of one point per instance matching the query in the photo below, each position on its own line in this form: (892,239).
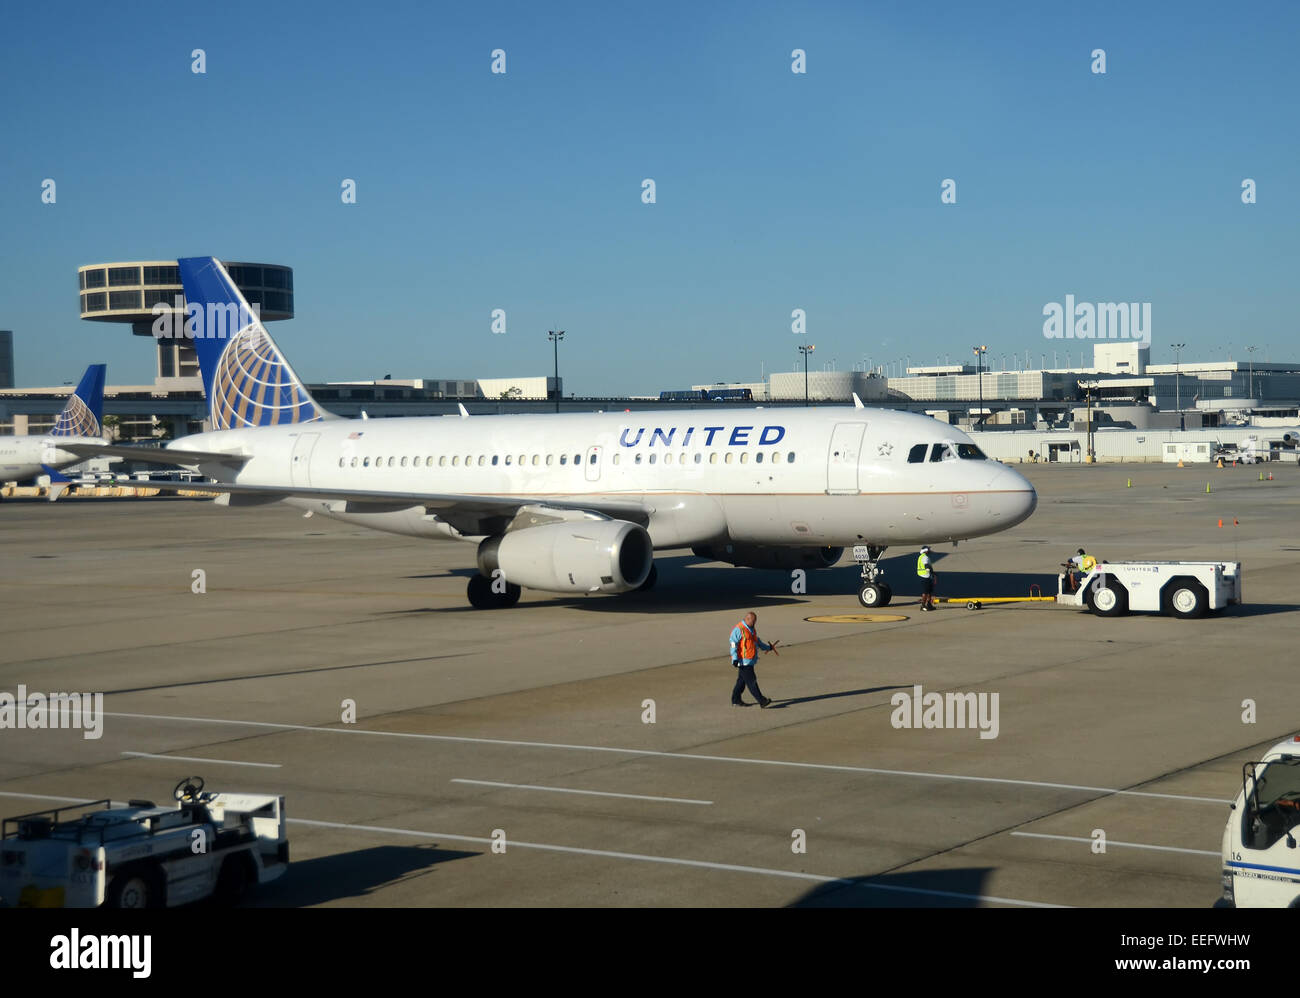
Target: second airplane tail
(246,379)
(83,416)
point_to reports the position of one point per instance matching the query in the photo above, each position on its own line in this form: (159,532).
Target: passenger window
(365,463)
(616,459)
(354,462)
(668,459)
(442,461)
(523,458)
(416,461)
(681,458)
(455,461)
(917,454)
(577,459)
(744,457)
(713,458)
(789,458)
(564,459)
(536,460)
(652,458)
(637,459)
(507,459)
(759,457)
(341,460)
(698,458)
(729,457)
(403,462)
(776,457)
(429,461)
(494,460)
(550,456)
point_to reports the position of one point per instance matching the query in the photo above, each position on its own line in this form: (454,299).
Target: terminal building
(1120,391)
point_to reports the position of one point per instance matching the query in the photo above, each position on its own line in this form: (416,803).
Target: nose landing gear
(874,591)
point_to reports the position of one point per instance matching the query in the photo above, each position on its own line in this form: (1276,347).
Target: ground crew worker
(745,644)
(1080,565)
(925,571)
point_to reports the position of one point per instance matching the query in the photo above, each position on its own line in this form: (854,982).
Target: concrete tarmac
(503,758)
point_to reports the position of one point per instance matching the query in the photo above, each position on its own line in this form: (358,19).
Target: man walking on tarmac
(925,571)
(745,644)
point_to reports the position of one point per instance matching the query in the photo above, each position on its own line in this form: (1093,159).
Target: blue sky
(775,191)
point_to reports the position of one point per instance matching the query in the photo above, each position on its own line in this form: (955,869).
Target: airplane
(581,503)
(80,422)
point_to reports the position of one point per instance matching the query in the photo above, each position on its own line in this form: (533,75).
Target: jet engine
(572,556)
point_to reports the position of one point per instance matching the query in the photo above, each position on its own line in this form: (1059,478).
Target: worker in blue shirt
(745,645)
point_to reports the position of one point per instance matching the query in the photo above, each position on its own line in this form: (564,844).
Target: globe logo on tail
(253,385)
(76,420)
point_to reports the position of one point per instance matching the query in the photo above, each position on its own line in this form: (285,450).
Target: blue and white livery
(80,422)
(580,503)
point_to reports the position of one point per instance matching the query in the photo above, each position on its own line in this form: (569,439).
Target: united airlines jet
(23,457)
(581,503)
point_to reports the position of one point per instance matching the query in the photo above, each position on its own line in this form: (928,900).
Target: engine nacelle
(770,555)
(574,556)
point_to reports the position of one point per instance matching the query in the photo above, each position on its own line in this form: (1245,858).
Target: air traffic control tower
(129,292)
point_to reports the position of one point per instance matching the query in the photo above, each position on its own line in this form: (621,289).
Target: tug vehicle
(1185,589)
(206,845)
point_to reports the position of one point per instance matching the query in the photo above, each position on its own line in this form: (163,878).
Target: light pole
(980,351)
(555,338)
(1250,391)
(1178,381)
(806,350)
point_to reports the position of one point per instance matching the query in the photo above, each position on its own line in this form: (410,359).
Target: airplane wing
(470,514)
(156,455)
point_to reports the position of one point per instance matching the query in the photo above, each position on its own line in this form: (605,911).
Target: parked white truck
(1178,588)
(1261,861)
(142,855)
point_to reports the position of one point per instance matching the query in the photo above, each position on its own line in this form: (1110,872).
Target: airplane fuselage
(26,457)
(784,477)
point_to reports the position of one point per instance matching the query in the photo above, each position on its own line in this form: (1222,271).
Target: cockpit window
(969,452)
(943,452)
(917,454)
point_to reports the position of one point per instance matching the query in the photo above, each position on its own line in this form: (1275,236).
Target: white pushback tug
(142,855)
(1261,857)
(1186,589)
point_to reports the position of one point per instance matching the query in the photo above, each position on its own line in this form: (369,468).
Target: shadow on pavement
(347,875)
(959,888)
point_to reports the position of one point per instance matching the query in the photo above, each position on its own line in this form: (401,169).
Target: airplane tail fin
(246,379)
(83,416)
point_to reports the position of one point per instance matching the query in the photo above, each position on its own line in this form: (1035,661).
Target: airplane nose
(1012,497)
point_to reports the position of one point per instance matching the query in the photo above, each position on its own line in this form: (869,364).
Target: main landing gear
(491,594)
(874,591)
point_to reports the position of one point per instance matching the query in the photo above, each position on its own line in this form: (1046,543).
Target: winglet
(857,402)
(464,413)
